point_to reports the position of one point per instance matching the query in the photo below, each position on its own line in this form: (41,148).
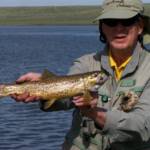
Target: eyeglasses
(123,22)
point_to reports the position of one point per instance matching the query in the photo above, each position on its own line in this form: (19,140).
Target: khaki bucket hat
(124,9)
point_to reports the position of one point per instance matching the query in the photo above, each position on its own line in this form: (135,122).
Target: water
(35,48)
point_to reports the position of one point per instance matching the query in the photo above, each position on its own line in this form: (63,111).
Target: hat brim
(117,14)
(124,14)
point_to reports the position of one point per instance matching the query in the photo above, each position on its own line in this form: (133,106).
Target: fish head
(96,79)
(101,78)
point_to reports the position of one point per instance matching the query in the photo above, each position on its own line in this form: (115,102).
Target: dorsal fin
(47,75)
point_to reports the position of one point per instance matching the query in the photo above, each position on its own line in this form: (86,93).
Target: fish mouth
(101,79)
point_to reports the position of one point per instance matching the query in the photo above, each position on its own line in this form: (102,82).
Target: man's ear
(141,26)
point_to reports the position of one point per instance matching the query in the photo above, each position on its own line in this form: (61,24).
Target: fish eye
(95,74)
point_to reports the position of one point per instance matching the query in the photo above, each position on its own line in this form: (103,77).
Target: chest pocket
(124,98)
(128,98)
(138,90)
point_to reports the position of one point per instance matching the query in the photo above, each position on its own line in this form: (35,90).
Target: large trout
(52,87)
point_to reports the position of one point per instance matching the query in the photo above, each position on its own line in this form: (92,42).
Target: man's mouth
(120,37)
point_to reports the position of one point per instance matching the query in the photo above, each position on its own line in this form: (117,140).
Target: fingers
(2,86)
(29,77)
(93,103)
(26,98)
(32,99)
(20,98)
(79,101)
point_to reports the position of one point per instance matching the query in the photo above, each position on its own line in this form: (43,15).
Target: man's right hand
(25,97)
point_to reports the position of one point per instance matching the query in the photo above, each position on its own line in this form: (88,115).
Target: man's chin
(119,46)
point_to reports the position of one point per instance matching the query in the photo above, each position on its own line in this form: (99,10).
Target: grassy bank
(60,15)
(48,15)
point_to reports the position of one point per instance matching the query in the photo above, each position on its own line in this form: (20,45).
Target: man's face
(122,34)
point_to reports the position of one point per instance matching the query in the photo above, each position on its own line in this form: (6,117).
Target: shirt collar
(129,68)
(113,64)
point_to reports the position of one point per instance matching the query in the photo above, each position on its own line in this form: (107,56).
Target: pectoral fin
(49,103)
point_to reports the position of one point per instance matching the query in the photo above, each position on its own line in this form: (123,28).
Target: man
(118,117)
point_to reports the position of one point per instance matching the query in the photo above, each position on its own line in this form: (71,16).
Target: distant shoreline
(59,15)
(51,15)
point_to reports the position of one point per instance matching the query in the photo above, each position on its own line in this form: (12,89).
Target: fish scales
(57,87)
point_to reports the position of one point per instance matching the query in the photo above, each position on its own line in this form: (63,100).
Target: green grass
(48,15)
(60,15)
(147,8)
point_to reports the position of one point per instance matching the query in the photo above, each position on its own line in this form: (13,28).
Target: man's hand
(81,102)
(91,110)
(25,97)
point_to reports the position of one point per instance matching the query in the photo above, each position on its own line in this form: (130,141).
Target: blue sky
(51,2)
